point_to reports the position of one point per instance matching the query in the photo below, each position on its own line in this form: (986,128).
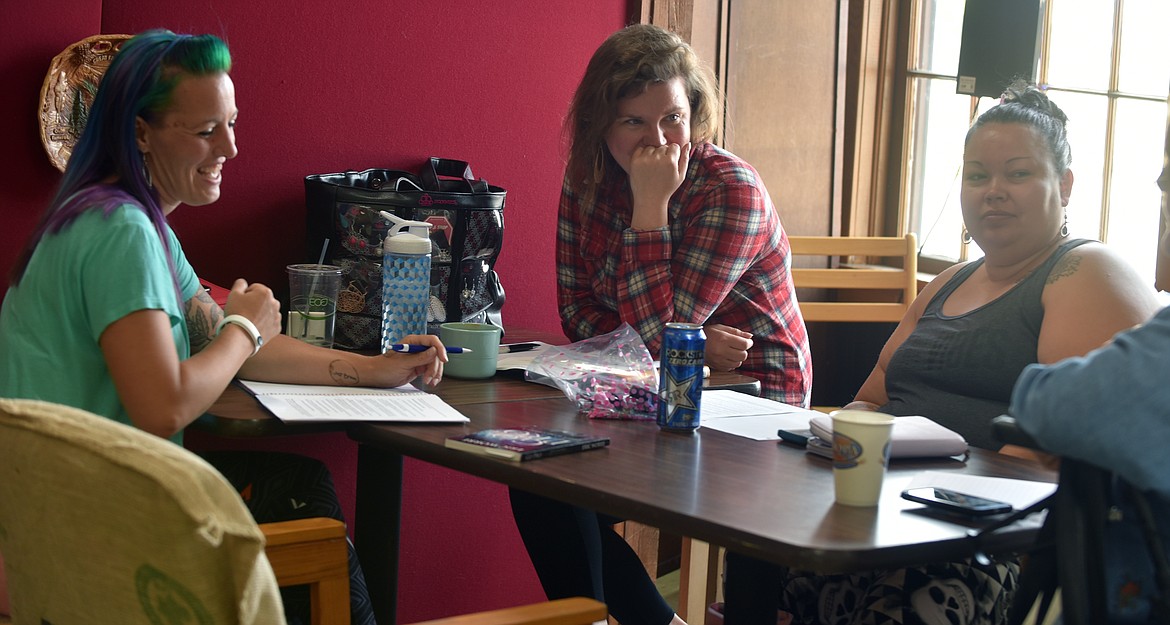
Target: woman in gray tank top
(1035,296)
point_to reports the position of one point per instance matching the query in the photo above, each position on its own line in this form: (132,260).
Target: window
(1106,64)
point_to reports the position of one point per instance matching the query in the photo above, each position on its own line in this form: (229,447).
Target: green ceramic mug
(483,340)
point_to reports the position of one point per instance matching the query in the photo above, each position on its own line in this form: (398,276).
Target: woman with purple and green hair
(104,298)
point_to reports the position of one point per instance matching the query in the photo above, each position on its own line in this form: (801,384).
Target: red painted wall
(323,87)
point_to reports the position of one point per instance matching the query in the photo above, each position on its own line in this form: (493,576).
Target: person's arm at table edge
(1107,408)
(287,360)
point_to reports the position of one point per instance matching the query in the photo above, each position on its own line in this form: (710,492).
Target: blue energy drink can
(681,383)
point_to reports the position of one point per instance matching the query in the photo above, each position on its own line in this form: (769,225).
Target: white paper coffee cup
(861,450)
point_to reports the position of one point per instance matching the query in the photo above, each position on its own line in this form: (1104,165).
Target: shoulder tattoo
(1065,267)
(203,314)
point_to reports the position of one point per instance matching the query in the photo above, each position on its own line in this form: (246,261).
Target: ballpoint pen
(411,348)
(518,347)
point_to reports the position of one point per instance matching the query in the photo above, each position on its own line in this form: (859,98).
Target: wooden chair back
(103,523)
(858,289)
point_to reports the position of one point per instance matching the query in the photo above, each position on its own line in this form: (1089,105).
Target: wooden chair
(314,552)
(572,611)
(880,293)
(845,286)
(100,522)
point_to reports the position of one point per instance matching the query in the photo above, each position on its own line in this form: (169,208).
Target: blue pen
(411,348)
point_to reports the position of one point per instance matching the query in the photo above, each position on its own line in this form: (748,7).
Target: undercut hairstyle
(139,82)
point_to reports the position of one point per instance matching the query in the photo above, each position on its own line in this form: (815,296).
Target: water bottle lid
(406,237)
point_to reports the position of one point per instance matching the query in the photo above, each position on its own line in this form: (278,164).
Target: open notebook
(912,437)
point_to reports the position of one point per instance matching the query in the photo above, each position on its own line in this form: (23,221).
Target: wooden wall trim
(673,15)
(871,76)
(866,99)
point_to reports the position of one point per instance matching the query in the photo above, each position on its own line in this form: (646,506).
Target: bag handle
(402,179)
(437,169)
(377,182)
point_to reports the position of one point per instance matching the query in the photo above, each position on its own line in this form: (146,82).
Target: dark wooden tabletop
(757,497)
(761,498)
(237,414)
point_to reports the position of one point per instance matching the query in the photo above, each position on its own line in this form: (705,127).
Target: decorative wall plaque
(68,92)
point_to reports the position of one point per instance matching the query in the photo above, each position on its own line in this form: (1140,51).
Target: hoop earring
(966,236)
(146,171)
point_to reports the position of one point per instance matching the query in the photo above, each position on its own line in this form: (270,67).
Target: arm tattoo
(1064,268)
(203,314)
(343,373)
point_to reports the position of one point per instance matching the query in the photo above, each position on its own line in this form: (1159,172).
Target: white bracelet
(247,325)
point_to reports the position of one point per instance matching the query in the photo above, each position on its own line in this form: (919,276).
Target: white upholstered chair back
(103,523)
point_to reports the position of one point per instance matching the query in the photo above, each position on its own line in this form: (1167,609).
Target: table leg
(379,519)
(698,580)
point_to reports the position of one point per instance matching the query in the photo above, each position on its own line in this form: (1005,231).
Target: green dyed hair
(140,82)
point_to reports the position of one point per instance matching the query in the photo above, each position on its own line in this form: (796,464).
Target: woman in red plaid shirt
(658,225)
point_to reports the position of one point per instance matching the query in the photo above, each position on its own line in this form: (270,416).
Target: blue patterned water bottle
(406,279)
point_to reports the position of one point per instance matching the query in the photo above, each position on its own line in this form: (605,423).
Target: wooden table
(760,498)
(236,414)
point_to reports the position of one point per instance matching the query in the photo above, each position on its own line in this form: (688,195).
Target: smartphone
(952,501)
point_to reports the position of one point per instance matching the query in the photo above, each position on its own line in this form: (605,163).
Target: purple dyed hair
(106,170)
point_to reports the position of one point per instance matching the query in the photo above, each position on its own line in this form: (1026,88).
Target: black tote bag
(467,217)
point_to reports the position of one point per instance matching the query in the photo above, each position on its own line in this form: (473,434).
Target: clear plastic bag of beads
(610,376)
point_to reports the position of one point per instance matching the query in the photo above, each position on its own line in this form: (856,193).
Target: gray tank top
(960,370)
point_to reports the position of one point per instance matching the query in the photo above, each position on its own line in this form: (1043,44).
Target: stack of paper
(301,402)
(750,416)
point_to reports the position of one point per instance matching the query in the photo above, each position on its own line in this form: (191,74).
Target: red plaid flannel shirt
(722,258)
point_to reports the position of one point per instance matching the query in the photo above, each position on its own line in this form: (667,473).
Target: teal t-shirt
(79,281)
